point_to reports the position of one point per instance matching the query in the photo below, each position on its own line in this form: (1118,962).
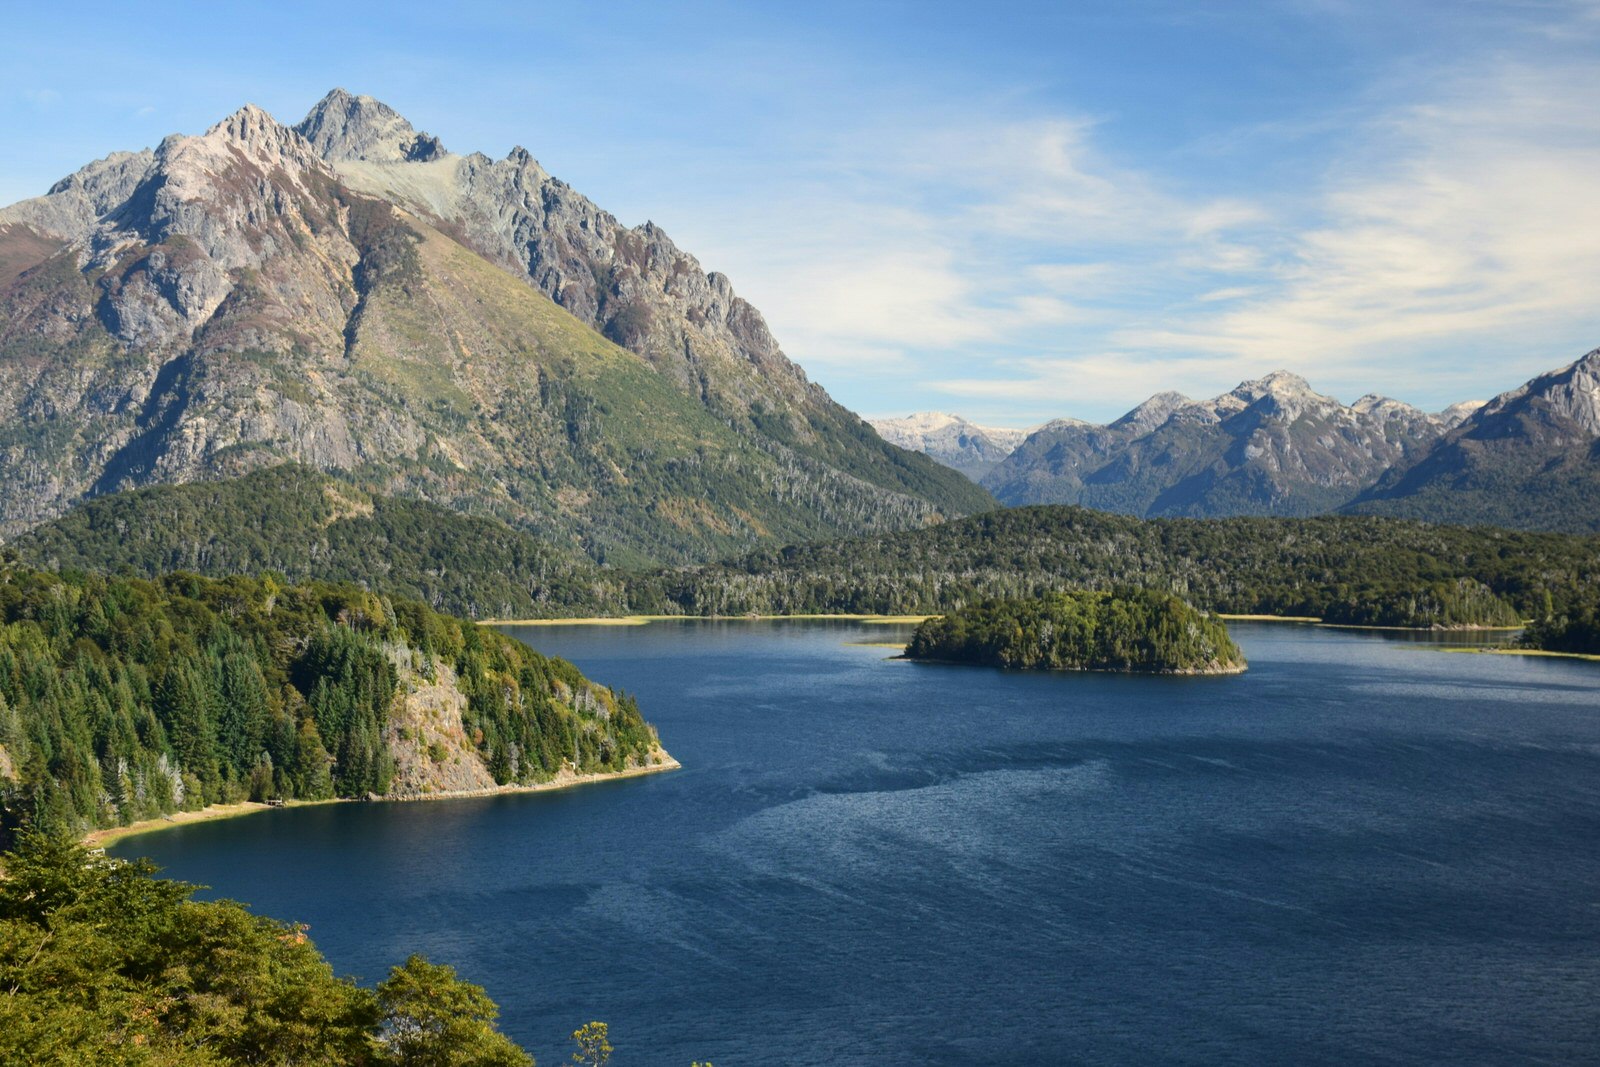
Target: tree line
(1136,630)
(126,698)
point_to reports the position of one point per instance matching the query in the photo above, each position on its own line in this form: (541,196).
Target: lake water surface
(1362,851)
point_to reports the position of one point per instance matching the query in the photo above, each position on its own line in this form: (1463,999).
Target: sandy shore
(1424,629)
(566,779)
(1526,652)
(1267,618)
(640,620)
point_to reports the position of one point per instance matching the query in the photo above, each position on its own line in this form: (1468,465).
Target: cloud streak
(1448,247)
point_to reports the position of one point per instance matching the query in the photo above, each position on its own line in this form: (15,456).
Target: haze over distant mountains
(965,446)
(348,294)
(1529,458)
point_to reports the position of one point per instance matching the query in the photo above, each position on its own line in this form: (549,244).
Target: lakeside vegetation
(1577,633)
(1129,630)
(1341,569)
(124,698)
(103,963)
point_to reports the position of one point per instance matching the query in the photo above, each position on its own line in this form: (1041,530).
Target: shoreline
(1590,656)
(898,620)
(1174,672)
(564,779)
(1423,629)
(642,620)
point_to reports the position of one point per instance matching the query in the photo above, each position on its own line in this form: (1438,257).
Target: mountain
(350,296)
(631,284)
(1528,459)
(951,440)
(1271,446)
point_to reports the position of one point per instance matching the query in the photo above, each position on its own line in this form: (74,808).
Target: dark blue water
(1362,851)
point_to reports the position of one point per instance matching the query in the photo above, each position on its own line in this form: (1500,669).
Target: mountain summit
(1270,446)
(1528,458)
(349,295)
(344,128)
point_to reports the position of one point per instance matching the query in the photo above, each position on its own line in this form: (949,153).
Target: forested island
(126,698)
(1127,630)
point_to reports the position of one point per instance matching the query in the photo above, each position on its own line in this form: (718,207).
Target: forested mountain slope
(1529,458)
(1352,569)
(305,525)
(1358,569)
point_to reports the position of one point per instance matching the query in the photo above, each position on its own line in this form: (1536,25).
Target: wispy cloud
(1444,242)
(1472,217)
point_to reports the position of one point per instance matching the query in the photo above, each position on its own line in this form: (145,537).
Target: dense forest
(1343,569)
(307,526)
(1135,630)
(1578,632)
(1357,570)
(102,963)
(125,698)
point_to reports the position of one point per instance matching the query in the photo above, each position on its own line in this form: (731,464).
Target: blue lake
(1363,850)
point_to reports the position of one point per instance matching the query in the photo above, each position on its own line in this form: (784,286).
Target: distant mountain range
(1529,458)
(961,445)
(347,294)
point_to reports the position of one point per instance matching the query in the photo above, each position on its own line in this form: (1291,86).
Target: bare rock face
(1271,446)
(232,300)
(346,127)
(633,284)
(1529,458)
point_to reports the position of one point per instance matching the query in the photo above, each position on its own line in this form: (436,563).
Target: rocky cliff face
(1272,446)
(632,284)
(951,440)
(235,299)
(1529,458)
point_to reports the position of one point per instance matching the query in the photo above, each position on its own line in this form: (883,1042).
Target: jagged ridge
(229,301)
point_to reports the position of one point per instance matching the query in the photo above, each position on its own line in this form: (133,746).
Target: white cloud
(1467,220)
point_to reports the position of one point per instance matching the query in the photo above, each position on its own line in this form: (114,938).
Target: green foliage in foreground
(1578,632)
(1346,569)
(102,963)
(123,698)
(1137,630)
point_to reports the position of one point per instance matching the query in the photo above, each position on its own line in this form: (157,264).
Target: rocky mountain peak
(1152,413)
(1457,413)
(1571,393)
(1282,384)
(249,132)
(343,127)
(1385,409)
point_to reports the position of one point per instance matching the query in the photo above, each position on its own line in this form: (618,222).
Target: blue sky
(1014,211)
